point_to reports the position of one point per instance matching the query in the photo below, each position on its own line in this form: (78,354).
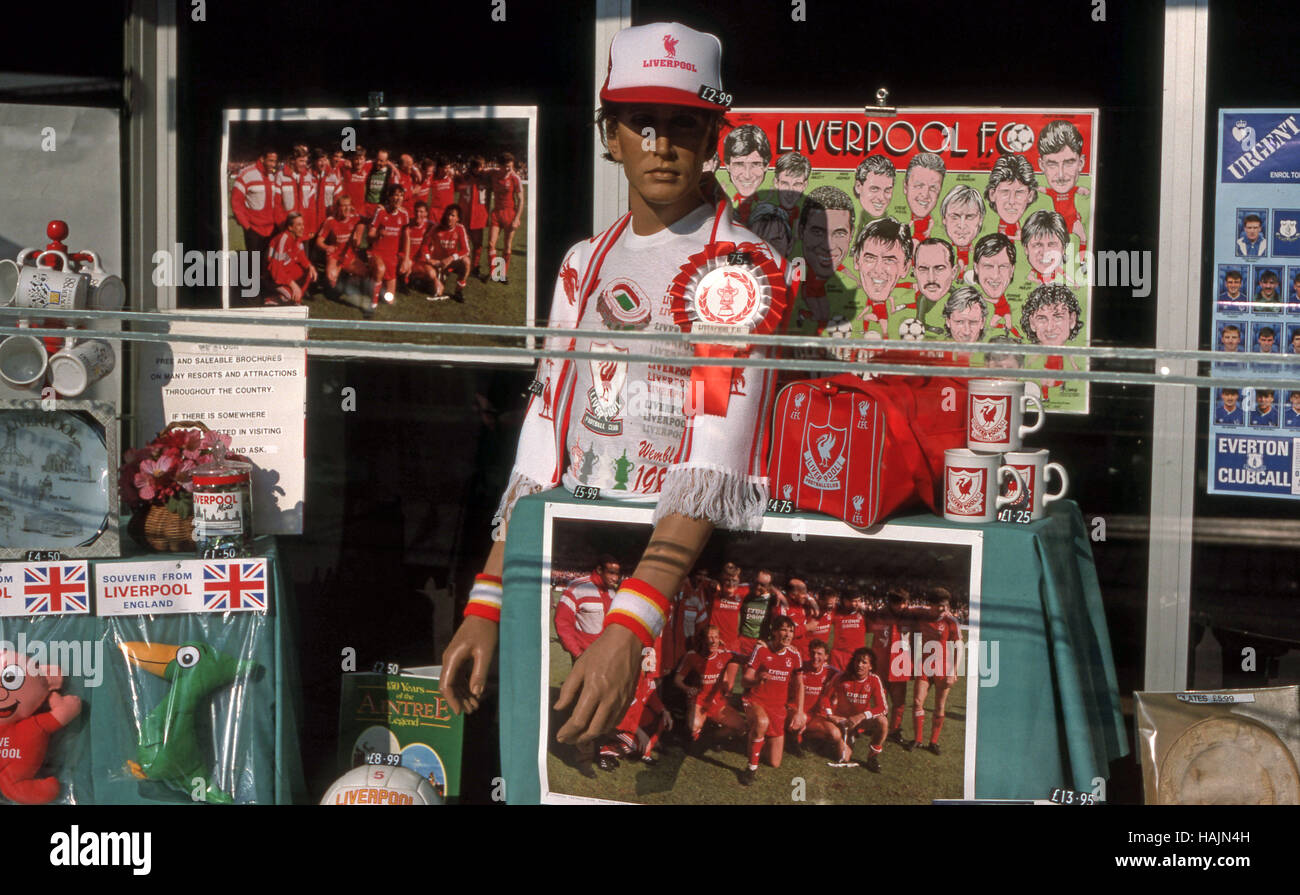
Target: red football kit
(712,696)
(1064,205)
(442,193)
(848,633)
(288,262)
(818,628)
(471,196)
(814,688)
(354,184)
(504,185)
(1011,231)
(416,233)
(921,227)
(851,696)
(799,616)
(889,641)
(338,236)
(725,613)
(936,634)
(779,671)
(388,241)
(963,256)
(441,245)
(1000,306)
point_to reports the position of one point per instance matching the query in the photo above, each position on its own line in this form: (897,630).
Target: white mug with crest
(972,483)
(77,367)
(107,291)
(996,415)
(45,288)
(1029,492)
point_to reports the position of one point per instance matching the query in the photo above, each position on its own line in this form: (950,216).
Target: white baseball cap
(666,62)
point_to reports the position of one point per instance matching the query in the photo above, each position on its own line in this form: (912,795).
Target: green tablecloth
(260,747)
(1051,719)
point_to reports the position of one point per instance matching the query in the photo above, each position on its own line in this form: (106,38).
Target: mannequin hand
(465,663)
(600,686)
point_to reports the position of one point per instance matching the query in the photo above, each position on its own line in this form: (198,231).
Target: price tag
(391,759)
(386,668)
(1021,517)
(785,507)
(44,556)
(712,95)
(584,492)
(1070,797)
(535,388)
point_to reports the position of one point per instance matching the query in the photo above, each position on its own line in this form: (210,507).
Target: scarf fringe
(726,498)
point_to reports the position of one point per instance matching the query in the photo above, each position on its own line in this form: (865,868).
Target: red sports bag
(860,449)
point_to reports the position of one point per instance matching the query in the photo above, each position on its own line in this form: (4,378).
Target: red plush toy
(31,708)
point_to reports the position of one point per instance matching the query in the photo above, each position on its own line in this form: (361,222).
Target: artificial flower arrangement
(156,482)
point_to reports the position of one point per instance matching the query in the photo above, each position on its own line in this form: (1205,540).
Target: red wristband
(485,598)
(640,608)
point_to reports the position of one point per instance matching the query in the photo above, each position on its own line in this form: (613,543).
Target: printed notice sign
(255,394)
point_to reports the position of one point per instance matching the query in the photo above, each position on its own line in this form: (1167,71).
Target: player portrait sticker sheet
(997,206)
(1255,423)
(408,215)
(685,737)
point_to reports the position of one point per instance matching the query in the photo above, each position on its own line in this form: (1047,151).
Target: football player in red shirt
(714,666)
(772,675)
(994,265)
(848,630)
(288,266)
(253,201)
(818,678)
(724,611)
(818,624)
(413,237)
(858,706)
(1060,154)
(408,176)
(937,664)
(354,178)
(891,653)
(339,240)
(441,186)
(385,240)
(445,254)
(507,210)
(795,607)
(471,196)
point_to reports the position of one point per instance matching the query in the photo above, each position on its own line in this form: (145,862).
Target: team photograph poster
(655,760)
(412,215)
(997,204)
(1254,426)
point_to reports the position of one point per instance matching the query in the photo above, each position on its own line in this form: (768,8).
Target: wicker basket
(157,527)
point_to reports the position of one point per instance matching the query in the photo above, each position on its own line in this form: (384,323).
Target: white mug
(1029,492)
(23,361)
(971,485)
(76,367)
(107,291)
(996,415)
(42,287)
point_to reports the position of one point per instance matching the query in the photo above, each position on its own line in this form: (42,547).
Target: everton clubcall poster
(954,224)
(1255,425)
